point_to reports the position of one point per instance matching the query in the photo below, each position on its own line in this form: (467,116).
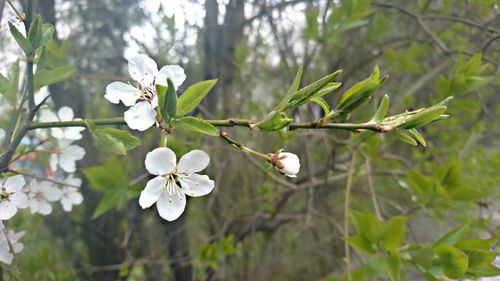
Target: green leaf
(324,105)
(108,202)
(360,243)
(453,261)
(196,125)
(416,135)
(423,117)
(393,265)
(109,176)
(291,91)
(382,110)
(22,41)
(485,271)
(115,140)
(360,93)
(274,121)
(167,100)
(46,77)
(305,94)
(405,136)
(35,32)
(393,233)
(193,96)
(47,34)
(453,236)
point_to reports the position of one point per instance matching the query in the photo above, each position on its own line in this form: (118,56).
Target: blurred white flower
(286,162)
(143,99)
(41,95)
(65,113)
(40,194)
(12,197)
(70,194)
(2,135)
(5,254)
(174,181)
(65,156)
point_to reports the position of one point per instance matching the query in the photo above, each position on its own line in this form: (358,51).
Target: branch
(217,122)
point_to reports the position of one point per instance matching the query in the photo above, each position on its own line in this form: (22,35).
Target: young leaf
(453,236)
(47,33)
(291,91)
(360,93)
(116,141)
(170,106)
(453,261)
(45,77)
(405,136)
(274,121)
(22,41)
(393,265)
(35,32)
(324,105)
(423,117)
(193,96)
(382,110)
(415,134)
(305,94)
(197,125)
(394,233)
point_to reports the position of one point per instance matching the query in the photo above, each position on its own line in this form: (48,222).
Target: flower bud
(287,163)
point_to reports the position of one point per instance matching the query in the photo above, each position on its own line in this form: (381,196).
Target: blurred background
(256,224)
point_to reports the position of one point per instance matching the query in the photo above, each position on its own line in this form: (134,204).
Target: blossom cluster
(44,185)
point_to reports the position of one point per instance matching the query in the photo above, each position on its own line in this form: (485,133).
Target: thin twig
(347,212)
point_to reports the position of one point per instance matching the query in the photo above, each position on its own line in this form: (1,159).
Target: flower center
(148,92)
(172,188)
(4,195)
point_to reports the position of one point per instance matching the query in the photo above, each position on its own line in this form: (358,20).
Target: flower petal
(65,113)
(7,210)
(140,116)
(14,184)
(119,91)
(160,161)
(174,72)
(171,207)
(152,191)
(142,69)
(196,185)
(68,157)
(193,161)
(19,199)
(47,115)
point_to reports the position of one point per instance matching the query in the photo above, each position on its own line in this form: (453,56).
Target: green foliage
(114,140)
(466,76)
(167,100)
(22,41)
(9,86)
(112,179)
(211,255)
(360,93)
(193,96)
(373,234)
(196,124)
(46,77)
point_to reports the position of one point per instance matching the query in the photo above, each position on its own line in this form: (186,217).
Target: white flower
(142,99)
(5,254)
(40,194)
(174,181)
(12,197)
(41,95)
(70,194)
(65,113)
(287,163)
(65,156)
